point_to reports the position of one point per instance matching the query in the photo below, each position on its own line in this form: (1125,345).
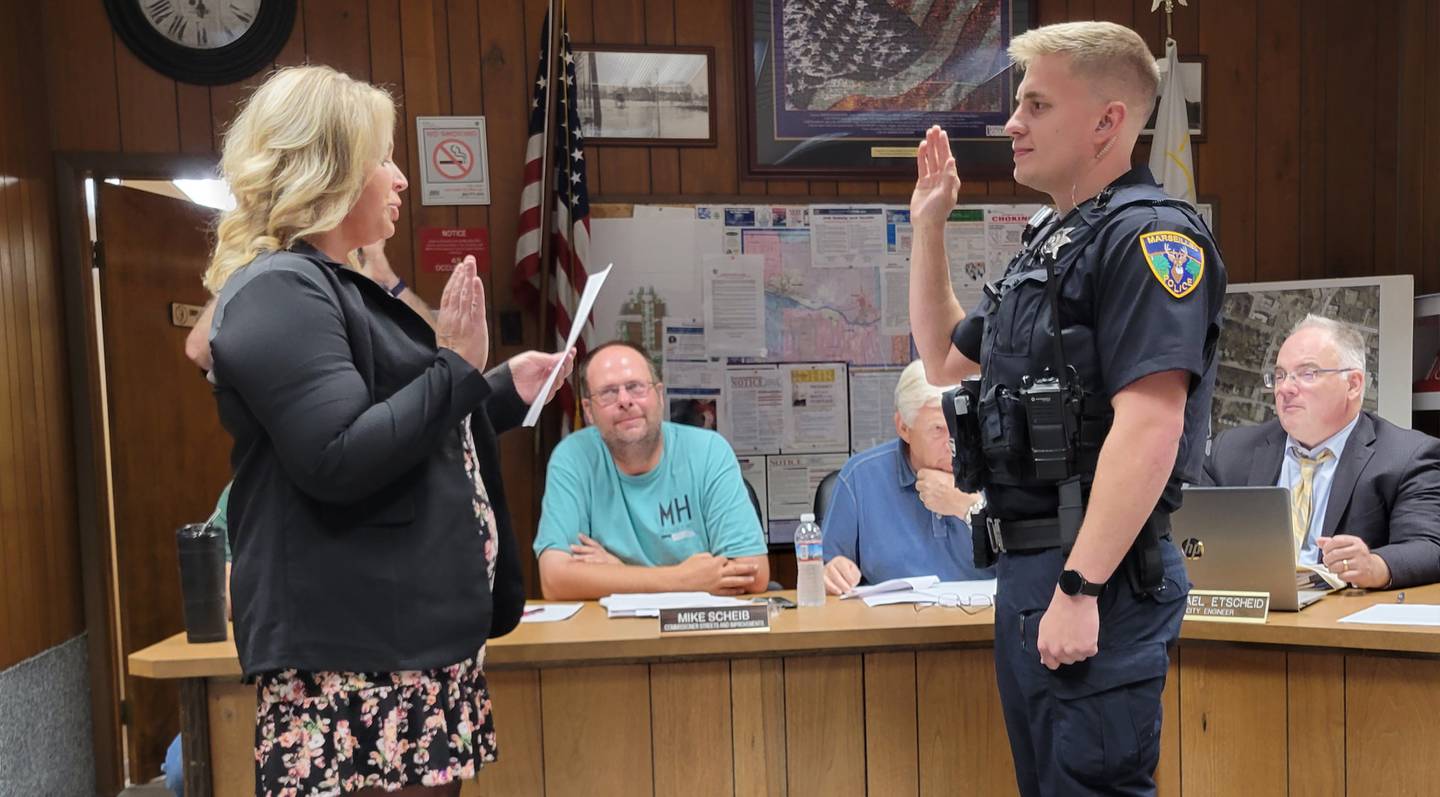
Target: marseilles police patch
(1175,260)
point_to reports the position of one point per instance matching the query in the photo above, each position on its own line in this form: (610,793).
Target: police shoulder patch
(1175,260)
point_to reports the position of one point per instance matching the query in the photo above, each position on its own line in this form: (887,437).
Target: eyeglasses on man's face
(607,396)
(1303,376)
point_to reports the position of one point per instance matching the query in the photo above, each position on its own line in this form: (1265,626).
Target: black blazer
(1386,488)
(351,515)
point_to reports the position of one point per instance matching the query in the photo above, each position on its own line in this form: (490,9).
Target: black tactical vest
(1018,345)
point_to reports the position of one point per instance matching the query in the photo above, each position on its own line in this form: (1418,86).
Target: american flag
(570,228)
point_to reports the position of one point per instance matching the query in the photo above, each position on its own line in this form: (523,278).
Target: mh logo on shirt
(676,512)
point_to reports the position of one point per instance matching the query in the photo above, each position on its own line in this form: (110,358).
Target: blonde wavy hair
(296,158)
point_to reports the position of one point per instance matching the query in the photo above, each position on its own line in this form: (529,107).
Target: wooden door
(169,456)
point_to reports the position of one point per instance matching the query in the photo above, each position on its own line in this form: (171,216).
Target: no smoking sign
(453,159)
(455,170)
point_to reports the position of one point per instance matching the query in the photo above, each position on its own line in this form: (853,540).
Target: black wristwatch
(1072,583)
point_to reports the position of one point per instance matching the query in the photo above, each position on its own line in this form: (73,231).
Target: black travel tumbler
(202,581)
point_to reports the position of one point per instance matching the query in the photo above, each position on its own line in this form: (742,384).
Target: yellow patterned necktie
(1302,495)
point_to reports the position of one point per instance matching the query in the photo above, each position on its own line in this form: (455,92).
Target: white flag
(1170,159)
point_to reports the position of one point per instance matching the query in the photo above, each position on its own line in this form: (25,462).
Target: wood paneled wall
(1320,149)
(1317,149)
(40,596)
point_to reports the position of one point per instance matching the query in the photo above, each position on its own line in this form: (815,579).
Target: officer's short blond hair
(1109,55)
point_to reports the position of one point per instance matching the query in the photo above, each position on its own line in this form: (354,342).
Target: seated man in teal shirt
(895,511)
(635,504)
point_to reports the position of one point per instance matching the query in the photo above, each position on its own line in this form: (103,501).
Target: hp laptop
(1238,538)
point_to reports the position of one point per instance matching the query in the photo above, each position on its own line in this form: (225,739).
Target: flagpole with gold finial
(1169,12)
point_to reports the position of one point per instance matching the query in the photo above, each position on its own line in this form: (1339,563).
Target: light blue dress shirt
(877,520)
(1319,487)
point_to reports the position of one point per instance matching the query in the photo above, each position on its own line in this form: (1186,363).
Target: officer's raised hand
(934,310)
(1069,630)
(938,183)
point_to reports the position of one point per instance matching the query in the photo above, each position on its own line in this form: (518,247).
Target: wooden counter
(848,699)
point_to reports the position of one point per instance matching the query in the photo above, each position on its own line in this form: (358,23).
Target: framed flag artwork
(835,88)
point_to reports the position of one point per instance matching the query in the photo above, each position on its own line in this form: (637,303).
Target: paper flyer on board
(847,236)
(898,235)
(872,405)
(817,407)
(895,299)
(966,249)
(792,481)
(683,339)
(693,374)
(734,305)
(754,417)
(1004,227)
(694,389)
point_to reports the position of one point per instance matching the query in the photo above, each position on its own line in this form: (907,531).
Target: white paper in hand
(582,314)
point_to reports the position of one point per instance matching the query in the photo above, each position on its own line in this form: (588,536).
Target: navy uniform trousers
(1092,727)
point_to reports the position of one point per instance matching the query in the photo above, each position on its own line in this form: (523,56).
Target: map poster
(820,314)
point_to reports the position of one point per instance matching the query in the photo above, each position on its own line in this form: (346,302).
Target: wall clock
(209,42)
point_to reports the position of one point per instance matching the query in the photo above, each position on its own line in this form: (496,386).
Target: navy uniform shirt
(1141,289)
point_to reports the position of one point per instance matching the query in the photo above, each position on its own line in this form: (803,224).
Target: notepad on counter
(649,604)
(893,585)
(956,593)
(548,612)
(1396,614)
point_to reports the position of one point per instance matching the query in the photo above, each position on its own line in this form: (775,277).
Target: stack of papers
(893,585)
(1316,576)
(649,604)
(957,593)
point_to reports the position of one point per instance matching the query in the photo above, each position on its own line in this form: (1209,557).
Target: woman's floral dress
(327,733)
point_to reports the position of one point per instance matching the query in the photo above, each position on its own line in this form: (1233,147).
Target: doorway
(150,450)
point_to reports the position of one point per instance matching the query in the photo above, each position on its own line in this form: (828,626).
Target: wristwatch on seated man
(1072,583)
(975,508)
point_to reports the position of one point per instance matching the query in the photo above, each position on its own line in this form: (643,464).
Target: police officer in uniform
(1080,439)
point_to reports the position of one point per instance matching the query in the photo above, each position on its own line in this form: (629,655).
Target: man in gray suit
(1365,492)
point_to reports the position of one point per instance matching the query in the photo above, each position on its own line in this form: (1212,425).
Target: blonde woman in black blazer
(373,549)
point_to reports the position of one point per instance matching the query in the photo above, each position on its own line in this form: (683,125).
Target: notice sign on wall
(455,169)
(442,248)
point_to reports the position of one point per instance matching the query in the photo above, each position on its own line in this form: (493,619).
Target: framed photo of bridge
(634,95)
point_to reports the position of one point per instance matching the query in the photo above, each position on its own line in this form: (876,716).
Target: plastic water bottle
(809,562)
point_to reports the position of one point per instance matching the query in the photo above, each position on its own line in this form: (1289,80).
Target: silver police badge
(1057,239)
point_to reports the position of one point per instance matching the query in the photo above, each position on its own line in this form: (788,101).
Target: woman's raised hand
(462,326)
